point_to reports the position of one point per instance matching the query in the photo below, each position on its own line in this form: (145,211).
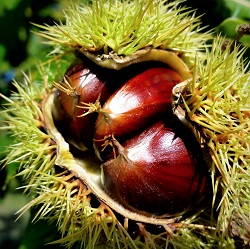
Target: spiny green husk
(61,197)
(218,101)
(124,27)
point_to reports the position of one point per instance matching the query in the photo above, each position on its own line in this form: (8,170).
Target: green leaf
(39,234)
(9,5)
(229,26)
(239,8)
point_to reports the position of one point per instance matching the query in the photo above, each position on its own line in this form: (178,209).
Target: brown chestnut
(136,104)
(161,170)
(80,84)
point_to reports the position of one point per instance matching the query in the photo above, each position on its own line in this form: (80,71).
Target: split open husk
(67,186)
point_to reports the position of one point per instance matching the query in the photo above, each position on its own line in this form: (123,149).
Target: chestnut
(79,84)
(135,104)
(160,171)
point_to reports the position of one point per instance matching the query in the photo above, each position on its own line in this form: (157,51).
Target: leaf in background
(240,14)
(228,27)
(245,3)
(38,234)
(9,5)
(239,8)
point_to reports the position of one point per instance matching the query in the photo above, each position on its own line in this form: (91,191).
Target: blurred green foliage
(21,50)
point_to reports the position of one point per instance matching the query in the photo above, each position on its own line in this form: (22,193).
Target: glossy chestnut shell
(174,189)
(161,170)
(80,84)
(135,105)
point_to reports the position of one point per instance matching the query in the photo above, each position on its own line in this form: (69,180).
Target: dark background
(19,51)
